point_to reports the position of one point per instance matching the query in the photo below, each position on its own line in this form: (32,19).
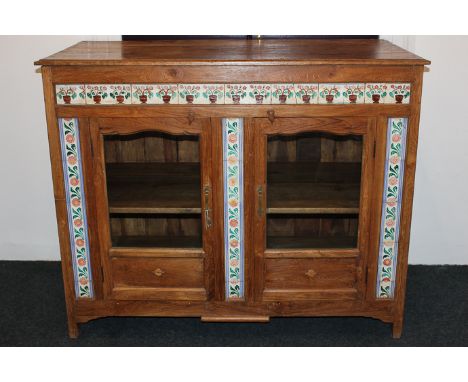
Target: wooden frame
(100,127)
(383,63)
(263,128)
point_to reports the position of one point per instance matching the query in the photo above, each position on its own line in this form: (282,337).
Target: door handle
(207,210)
(260,209)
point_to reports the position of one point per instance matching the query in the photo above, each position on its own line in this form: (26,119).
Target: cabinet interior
(313,190)
(153,187)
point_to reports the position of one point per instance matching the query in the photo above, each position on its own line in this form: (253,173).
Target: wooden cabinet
(267,179)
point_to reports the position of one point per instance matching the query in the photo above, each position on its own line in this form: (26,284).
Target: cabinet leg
(397,328)
(73,330)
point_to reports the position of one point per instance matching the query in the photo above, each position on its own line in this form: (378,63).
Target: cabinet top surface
(234,52)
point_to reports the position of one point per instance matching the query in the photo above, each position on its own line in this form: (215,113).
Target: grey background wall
(28,230)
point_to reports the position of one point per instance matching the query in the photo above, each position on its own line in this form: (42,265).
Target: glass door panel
(313,190)
(153,188)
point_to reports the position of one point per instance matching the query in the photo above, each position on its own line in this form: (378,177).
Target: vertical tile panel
(76,206)
(391,207)
(233,207)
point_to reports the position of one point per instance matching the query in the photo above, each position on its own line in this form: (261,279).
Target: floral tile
(283,94)
(387,266)
(166,93)
(155,94)
(143,94)
(70,94)
(191,94)
(330,93)
(376,93)
(236,94)
(108,94)
(390,218)
(306,93)
(76,206)
(353,93)
(398,93)
(259,94)
(394,164)
(213,93)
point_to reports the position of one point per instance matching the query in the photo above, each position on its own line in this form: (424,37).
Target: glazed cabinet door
(312,197)
(154,200)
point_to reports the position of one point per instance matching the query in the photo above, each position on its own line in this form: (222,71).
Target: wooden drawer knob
(158,272)
(310,273)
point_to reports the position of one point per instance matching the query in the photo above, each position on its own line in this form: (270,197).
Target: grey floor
(33,314)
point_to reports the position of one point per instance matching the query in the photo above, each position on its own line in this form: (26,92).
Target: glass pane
(313,190)
(153,189)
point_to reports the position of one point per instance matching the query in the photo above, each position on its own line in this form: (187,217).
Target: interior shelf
(301,242)
(157,241)
(313,188)
(293,188)
(154,188)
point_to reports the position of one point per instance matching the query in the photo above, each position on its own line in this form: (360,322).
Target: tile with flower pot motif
(283,94)
(398,93)
(330,94)
(236,94)
(70,94)
(191,94)
(376,93)
(306,93)
(353,93)
(108,94)
(155,94)
(213,94)
(258,94)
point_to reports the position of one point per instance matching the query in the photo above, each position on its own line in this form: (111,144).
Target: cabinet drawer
(304,279)
(158,278)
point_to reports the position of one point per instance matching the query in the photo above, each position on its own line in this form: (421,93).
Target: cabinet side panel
(76,206)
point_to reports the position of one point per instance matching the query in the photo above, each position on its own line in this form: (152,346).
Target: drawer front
(303,279)
(158,278)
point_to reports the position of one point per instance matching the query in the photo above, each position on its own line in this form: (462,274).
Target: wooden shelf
(307,242)
(157,241)
(154,188)
(313,188)
(293,188)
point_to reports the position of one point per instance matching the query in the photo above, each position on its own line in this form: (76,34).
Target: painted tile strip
(76,206)
(233,207)
(233,94)
(391,207)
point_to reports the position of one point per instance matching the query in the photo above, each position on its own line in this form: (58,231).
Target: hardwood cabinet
(233,180)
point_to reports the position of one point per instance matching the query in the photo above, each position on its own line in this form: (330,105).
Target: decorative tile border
(233,94)
(233,207)
(391,207)
(76,207)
